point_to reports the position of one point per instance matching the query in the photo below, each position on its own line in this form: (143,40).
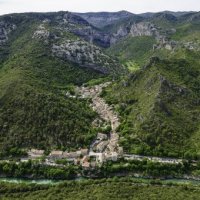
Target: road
(152,158)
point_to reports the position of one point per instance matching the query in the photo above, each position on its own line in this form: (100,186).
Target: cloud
(135,6)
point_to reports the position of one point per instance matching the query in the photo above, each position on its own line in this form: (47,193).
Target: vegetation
(158,104)
(135,49)
(147,168)
(34,169)
(65,170)
(159,109)
(124,188)
(34,110)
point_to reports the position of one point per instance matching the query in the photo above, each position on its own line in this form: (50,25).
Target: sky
(134,6)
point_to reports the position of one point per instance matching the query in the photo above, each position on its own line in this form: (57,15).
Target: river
(54,182)
(30,181)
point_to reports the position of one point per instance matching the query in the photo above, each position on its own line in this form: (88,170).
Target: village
(104,148)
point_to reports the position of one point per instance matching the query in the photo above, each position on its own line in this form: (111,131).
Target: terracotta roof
(86,164)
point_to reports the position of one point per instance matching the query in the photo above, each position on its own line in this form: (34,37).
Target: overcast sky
(135,6)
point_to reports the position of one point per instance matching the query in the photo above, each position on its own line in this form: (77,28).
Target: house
(112,156)
(97,157)
(35,153)
(85,162)
(93,164)
(78,153)
(101,136)
(86,165)
(70,155)
(82,152)
(101,158)
(101,146)
(56,154)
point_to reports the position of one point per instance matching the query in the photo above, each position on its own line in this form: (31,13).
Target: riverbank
(136,178)
(127,188)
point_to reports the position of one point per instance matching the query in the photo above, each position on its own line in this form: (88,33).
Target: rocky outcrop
(71,18)
(5,29)
(93,36)
(167,87)
(72,23)
(41,32)
(144,29)
(84,54)
(69,22)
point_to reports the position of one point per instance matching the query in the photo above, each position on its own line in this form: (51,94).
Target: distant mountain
(102,19)
(176,14)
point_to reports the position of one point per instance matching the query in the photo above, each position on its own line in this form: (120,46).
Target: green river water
(53,182)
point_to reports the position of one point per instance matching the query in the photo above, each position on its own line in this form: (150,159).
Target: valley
(110,98)
(106,146)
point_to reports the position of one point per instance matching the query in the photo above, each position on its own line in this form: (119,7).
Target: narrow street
(106,112)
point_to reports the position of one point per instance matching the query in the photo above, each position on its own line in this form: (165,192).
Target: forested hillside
(159,108)
(43,56)
(35,112)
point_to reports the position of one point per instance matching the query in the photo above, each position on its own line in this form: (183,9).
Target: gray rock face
(41,32)
(107,39)
(72,23)
(80,27)
(135,29)
(93,36)
(84,54)
(144,29)
(5,29)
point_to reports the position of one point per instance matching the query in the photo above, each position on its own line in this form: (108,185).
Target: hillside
(44,56)
(133,51)
(138,39)
(35,74)
(159,108)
